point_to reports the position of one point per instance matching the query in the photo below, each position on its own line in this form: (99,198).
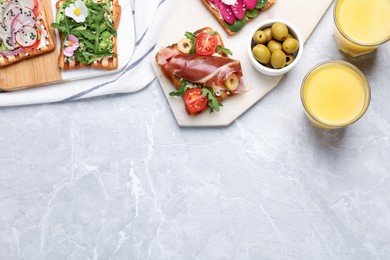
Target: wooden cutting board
(35,71)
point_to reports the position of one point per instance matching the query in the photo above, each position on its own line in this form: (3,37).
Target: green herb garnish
(261,4)
(183,88)
(190,36)
(224,50)
(185,85)
(213,103)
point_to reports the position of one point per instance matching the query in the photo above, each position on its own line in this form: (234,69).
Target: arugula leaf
(213,103)
(88,44)
(224,50)
(98,18)
(183,88)
(190,36)
(88,35)
(212,33)
(59,27)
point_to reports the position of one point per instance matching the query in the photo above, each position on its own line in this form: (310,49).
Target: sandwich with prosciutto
(200,69)
(234,14)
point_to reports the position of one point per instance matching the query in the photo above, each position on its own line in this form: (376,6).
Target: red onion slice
(10,53)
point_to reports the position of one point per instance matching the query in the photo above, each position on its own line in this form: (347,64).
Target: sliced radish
(14,24)
(26,36)
(11,11)
(251,4)
(27,3)
(3,5)
(5,28)
(26,20)
(239,9)
(7,43)
(28,12)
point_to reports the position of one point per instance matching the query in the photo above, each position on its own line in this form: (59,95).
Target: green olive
(289,36)
(184,45)
(231,83)
(278,59)
(261,53)
(290,45)
(274,45)
(279,31)
(289,59)
(260,37)
(268,32)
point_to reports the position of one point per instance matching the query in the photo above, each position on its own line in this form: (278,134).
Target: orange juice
(361,26)
(335,94)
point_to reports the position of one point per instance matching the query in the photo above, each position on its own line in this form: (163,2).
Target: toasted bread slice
(216,13)
(46,44)
(107,63)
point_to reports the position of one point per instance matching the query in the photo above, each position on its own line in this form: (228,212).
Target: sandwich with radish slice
(24,32)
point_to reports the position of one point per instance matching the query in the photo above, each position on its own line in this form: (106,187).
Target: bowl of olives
(275,47)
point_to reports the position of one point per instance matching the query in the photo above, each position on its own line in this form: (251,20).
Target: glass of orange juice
(335,94)
(361,26)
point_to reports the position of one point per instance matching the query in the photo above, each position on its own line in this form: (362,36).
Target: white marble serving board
(191,15)
(125,45)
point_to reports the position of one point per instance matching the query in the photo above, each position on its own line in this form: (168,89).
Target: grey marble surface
(116,178)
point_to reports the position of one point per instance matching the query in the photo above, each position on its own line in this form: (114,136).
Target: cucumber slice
(60,14)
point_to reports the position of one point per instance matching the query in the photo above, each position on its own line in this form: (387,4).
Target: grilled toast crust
(107,63)
(217,15)
(49,46)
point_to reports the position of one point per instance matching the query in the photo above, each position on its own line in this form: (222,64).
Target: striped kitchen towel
(149,17)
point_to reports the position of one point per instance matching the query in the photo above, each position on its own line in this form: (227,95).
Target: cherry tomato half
(205,44)
(194,100)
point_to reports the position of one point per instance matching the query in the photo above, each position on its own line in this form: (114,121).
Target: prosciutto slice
(203,70)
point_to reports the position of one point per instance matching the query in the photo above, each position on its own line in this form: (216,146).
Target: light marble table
(116,178)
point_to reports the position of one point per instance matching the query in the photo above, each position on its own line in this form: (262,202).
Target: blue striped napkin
(149,17)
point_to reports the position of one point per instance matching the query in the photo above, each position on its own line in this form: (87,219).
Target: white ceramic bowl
(271,71)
